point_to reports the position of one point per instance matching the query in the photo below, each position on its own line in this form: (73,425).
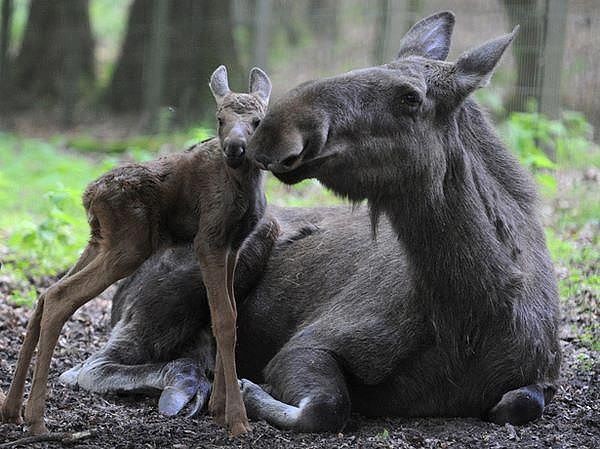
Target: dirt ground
(571,421)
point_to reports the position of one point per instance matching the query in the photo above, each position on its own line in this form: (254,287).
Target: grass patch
(43,226)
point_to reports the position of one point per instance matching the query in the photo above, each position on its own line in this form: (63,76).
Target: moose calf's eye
(220,121)
(255,122)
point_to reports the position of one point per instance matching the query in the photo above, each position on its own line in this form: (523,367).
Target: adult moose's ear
(219,85)
(260,84)
(475,67)
(430,37)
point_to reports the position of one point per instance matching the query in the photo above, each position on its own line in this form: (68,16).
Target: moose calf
(209,195)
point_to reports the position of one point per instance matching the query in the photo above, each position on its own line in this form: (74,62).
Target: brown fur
(200,195)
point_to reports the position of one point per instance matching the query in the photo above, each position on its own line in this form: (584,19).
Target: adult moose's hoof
(175,397)
(522,405)
(69,377)
(254,398)
(201,399)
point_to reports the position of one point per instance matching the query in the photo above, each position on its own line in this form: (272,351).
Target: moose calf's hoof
(9,416)
(239,428)
(37,428)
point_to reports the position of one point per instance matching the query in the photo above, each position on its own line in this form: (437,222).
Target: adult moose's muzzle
(274,149)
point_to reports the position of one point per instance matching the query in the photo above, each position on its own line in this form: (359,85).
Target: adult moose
(209,195)
(457,317)
(467,323)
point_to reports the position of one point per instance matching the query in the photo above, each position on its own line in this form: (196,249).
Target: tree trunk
(5,26)
(47,51)
(124,92)
(200,39)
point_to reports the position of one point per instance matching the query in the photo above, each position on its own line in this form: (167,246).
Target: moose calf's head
(238,115)
(362,130)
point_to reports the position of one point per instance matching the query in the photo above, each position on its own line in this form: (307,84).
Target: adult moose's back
(469,328)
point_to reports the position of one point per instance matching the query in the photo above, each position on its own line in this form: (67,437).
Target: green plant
(384,435)
(43,224)
(527,134)
(533,136)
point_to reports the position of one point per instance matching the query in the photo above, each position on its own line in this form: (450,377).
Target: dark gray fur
(452,310)
(473,314)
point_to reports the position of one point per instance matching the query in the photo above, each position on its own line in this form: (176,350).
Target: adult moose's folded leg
(308,392)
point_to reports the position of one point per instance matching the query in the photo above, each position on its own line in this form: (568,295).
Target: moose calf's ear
(475,67)
(260,84)
(429,37)
(219,85)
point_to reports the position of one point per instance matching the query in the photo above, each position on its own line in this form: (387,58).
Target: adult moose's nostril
(261,162)
(290,161)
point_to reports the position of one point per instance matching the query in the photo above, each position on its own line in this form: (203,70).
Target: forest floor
(572,420)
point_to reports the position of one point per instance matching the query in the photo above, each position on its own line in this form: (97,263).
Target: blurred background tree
(89,61)
(198,37)
(87,84)
(56,56)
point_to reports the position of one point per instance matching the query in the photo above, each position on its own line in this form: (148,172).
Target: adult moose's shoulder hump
(476,335)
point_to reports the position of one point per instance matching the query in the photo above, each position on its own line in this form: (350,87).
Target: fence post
(262,31)
(5,38)
(155,64)
(554,44)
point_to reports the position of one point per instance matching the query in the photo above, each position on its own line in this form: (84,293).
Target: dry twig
(62,437)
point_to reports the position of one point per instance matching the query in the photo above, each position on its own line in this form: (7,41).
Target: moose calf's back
(165,193)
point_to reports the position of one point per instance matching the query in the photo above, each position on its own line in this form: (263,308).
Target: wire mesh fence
(153,55)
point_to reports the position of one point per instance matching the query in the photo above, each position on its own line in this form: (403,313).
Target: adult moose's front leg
(214,271)
(307,391)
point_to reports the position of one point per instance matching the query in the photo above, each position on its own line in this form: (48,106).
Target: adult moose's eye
(410,99)
(220,121)
(255,122)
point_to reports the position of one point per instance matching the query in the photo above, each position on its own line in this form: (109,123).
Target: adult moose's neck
(463,234)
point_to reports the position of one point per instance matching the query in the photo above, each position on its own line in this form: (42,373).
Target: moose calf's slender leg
(11,410)
(61,301)
(231,261)
(223,320)
(219,393)
(216,405)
